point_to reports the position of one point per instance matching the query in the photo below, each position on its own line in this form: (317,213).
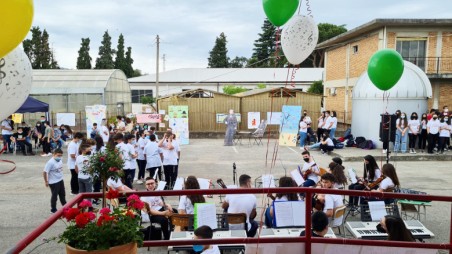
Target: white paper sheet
(161,185)
(352,175)
(65,118)
(299,211)
(204,184)
(377,210)
(289,213)
(206,214)
(268,181)
(179,184)
(297,177)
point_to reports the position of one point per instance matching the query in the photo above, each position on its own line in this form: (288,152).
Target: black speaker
(387,127)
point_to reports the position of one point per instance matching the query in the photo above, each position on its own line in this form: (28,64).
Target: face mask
(148,137)
(434,118)
(305,114)
(198,248)
(137,126)
(402,116)
(38,125)
(306,159)
(380,229)
(20,132)
(446,110)
(133,142)
(88,153)
(446,119)
(57,159)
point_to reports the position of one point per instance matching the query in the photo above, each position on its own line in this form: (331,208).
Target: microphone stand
(234,172)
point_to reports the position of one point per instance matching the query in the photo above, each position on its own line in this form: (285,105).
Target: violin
(318,204)
(221,183)
(370,186)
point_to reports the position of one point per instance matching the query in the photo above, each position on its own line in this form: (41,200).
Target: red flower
(105,210)
(104,218)
(85,204)
(112,194)
(82,219)
(130,214)
(91,215)
(113,169)
(135,202)
(70,213)
(102,159)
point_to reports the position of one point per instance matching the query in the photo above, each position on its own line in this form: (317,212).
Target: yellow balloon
(15,22)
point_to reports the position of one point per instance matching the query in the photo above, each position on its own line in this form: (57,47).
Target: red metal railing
(308,240)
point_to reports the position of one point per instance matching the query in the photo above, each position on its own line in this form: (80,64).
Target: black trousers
(442,143)
(319,134)
(74,182)
(23,144)
(45,146)
(152,172)
(57,190)
(412,141)
(353,200)
(164,223)
(432,141)
(326,148)
(170,172)
(422,139)
(141,168)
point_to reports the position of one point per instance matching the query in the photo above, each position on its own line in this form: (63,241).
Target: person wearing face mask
(327,123)
(395,228)
(7,127)
(447,115)
(433,133)
(320,124)
(205,232)
(444,134)
(46,138)
(401,134)
(53,178)
(141,159)
(85,182)
(413,131)
(303,131)
(311,165)
(73,152)
(423,132)
(130,165)
(37,134)
(20,138)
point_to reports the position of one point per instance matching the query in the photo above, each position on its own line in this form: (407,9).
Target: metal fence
(432,65)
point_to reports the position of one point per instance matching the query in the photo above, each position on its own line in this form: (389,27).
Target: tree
(326,31)
(234,89)
(147,100)
(316,87)
(261,86)
(238,62)
(265,47)
(137,73)
(38,50)
(105,59)
(84,59)
(120,61)
(218,55)
(129,61)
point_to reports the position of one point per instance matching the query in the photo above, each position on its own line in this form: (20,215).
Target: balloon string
(299,7)
(294,71)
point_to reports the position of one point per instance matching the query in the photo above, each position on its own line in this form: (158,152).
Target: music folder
(289,213)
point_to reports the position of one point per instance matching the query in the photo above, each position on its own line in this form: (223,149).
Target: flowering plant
(88,230)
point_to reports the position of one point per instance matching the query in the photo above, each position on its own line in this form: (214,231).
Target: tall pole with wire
(157,70)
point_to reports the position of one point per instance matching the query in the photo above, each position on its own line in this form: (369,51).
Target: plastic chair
(338,213)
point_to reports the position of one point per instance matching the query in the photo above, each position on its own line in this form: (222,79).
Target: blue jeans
(332,132)
(400,141)
(316,145)
(7,140)
(303,136)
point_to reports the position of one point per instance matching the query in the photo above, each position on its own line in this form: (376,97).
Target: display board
(178,122)
(254,119)
(149,118)
(95,114)
(290,118)
(66,119)
(221,117)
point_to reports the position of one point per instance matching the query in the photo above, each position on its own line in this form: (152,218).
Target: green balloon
(385,68)
(280,11)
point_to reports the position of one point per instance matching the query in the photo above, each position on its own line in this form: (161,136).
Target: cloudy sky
(188,28)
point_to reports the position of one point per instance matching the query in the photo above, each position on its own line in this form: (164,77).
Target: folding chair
(259,133)
(339,215)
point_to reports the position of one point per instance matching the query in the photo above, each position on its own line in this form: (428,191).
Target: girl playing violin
(371,174)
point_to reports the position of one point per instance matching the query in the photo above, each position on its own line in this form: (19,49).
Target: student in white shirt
(72,153)
(320,124)
(327,123)
(117,185)
(85,182)
(413,131)
(170,149)
(243,203)
(444,133)
(186,203)
(205,232)
(389,183)
(310,164)
(120,125)
(371,173)
(53,178)
(7,127)
(141,159)
(331,201)
(154,157)
(433,133)
(326,145)
(284,182)
(401,137)
(129,156)
(303,131)
(104,132)
(332,125)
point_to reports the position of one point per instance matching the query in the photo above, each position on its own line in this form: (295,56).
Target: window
(355,49)
(282,93)
(137,94)
(413,50)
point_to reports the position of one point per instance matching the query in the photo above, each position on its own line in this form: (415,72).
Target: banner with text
(94,114)
(149,118)
(178,122)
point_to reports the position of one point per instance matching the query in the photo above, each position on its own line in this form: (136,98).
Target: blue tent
(31,105)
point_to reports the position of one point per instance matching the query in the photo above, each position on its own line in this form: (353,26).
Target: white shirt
(152,152)
(54,171)
(377,175)
(104,133)
(433,126)
(102,150)
(333,201)
(124,150)
(334,120)
(72,149)
(315,168)
(329,142)
(386,183)
(170,156)
(82,163)
(185,204)
(212,250)
(444,132)
(121,126)
(327,122)
(5,123)
(413,125)
(321,120)
(114,184)
(307,119)
(132,161)
(303,127)
(241,203)
(155,202)
(424,124)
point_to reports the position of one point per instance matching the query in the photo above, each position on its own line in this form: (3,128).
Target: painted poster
(221,117)
(94,114)
(17,117)
(66,119)
(274,118)
(254,118)
(288,130)
(178,122)
(149,118)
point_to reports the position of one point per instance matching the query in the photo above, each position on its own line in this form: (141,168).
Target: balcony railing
(432,65)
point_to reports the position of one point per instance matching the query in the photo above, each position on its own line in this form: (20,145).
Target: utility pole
(164,62)
(157,70)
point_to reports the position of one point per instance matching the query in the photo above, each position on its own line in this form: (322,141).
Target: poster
(94,114)
(274,119)
(288,130)
(254,119)
(149,118)
(17,118)
(221,117)
(66,119)
(178,122)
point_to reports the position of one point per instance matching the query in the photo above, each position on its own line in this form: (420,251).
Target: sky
(188,28)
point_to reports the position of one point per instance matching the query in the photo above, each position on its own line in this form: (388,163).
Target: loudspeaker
(387,127)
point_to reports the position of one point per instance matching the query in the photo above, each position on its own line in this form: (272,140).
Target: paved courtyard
(24,199)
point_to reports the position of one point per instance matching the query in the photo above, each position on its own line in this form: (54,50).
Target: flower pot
(129,248)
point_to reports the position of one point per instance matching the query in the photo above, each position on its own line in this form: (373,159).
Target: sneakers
(384,151)
(44,155)
(139,182)
(414,151)
(411,150)
(52,211)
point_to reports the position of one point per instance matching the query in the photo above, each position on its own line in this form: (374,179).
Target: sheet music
(352,175)
(268,181)
(232,186)
(299,209)
(297,177)
(377,210)
(206,214)
(161,185)
(204,184)
(289,213)
(179,184)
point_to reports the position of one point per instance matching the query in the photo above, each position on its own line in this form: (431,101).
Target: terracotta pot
(130,248)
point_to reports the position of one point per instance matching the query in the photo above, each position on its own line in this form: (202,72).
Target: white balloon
(299,38)
(15,81)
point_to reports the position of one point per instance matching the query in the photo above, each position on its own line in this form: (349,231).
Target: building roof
(265,90)
(194,92)
(71,81)
(380,23)
(231,75)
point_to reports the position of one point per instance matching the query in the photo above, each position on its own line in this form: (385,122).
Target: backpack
(369,145)
(362,145)
(359,140)
(350,142)
(338,146)
(347,133)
